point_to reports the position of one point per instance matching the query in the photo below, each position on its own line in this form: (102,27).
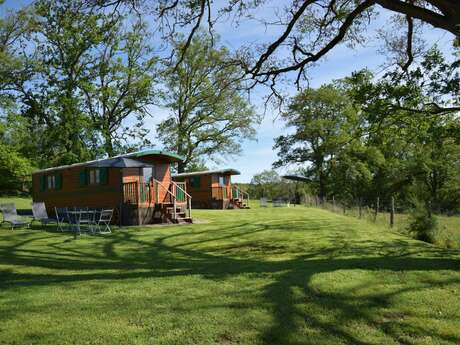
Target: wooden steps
(239,204)
(181,214)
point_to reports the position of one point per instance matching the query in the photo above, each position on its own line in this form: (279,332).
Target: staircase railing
(168,193)
(176,194)
(242,193)
(136,193)
(182,196)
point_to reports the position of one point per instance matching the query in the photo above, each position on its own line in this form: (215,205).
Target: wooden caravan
(138,186)
(213,189)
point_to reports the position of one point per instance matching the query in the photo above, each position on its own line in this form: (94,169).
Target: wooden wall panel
(73,195)
(97,196)
(202,196)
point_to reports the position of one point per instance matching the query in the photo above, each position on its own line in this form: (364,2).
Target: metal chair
(40,214)
(105,217)
(10,215)
(62,218)
(86,218)
(73,218)
(263,202)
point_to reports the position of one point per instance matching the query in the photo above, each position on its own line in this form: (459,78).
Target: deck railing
(130,193)
(174,193)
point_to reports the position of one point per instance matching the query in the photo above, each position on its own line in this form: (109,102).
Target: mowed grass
(259,276)
(447,233)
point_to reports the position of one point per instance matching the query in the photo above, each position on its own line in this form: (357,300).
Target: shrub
(15,171)
(422,224)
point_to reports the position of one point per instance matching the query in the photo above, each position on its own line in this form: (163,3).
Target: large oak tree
(209,112)
(308,29)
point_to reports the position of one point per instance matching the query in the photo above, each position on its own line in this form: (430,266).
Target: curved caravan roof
(107,162)
(209,172)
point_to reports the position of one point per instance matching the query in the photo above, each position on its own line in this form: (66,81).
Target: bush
(15,171)
(422,224)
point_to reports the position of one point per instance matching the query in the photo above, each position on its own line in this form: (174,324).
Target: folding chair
(10,215)
(40,214)
(105,217)
(86,217)
(62,218)
(263,202)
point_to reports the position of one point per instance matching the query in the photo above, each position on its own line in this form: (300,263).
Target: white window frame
(51,182)
(94,176)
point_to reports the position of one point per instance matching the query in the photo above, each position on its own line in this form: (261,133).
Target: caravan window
(51,182)
(94,176)
(148,174)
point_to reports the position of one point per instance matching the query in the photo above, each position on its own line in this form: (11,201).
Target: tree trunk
(108,144)
(322,184)
(181,167)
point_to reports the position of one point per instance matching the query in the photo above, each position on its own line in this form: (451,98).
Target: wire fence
(382,212)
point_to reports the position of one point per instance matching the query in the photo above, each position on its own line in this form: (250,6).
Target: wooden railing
(180,191)
(181,196)
(177,196)
(130,193)
(174,193)
(238,193)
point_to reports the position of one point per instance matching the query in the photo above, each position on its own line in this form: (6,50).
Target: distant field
(21,203)
(260,276)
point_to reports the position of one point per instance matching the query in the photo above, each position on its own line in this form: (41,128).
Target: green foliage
(363,137)
(76,78)
(422,224)
(15,171)
(270,185)
(210,115)
(265,184)
(324,121)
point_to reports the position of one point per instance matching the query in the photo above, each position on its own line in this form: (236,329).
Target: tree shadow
(302,313)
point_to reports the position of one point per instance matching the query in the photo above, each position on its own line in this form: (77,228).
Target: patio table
(77,218)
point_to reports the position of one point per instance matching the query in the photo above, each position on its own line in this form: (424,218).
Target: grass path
(259,276)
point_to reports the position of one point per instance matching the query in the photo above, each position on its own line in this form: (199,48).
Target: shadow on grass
(123,255)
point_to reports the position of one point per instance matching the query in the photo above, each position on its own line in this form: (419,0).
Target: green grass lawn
(259,276)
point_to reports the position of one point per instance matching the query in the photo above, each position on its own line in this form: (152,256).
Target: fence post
(360,211)
(333,203)
(377,206)
(392,212)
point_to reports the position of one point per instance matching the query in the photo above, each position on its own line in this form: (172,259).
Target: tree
(210,115)
(324,121)
(264,184)
(79,77)
(15,170)
(410,120)
(310,28)
(120,86)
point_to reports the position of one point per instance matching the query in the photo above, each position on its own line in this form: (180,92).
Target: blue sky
(259,155)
